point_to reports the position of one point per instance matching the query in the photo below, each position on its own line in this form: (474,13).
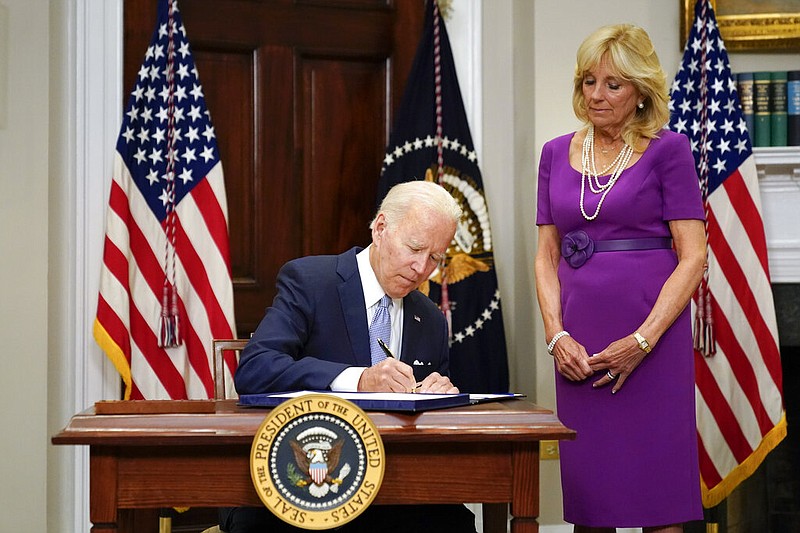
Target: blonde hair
(630,54)
(418,194)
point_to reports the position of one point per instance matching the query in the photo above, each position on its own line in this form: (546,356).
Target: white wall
(24,128)
(750,62)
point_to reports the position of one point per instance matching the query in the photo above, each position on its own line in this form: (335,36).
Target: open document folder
(382,401)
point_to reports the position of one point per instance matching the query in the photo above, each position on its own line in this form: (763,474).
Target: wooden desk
(486,453)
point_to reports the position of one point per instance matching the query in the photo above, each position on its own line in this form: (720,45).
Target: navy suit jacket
(317,327)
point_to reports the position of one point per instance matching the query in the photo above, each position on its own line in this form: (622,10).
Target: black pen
(385,348)
(389,354)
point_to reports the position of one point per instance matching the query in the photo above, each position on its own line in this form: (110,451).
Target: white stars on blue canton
(143,141)
(393,155)
(727,142)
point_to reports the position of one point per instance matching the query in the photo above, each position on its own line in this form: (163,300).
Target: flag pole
(704,340)
(715,517)
(165,520)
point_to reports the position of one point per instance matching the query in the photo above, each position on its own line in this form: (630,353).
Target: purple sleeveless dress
(634,461)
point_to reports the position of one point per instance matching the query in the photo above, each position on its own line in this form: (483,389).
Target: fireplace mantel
(779,183)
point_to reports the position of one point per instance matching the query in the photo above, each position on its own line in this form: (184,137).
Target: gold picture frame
(750,25)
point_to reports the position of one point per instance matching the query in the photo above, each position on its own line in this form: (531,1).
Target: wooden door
(301,95)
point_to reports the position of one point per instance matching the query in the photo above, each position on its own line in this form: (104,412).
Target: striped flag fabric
(740,414)
(165,282)
(431,140)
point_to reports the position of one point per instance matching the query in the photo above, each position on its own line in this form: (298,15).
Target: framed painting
(751,25)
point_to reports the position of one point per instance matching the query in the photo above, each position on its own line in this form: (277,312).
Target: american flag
(165,282)
(740,416)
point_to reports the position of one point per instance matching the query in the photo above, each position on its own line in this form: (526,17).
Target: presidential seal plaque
(317,461)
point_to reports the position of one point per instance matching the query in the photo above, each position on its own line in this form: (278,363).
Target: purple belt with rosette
(577,247)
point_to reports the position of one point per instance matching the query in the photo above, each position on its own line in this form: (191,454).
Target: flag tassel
(445,304)
(169,332)
(705,340)
(169,325)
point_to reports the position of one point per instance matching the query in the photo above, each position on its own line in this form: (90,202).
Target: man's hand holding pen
(392,375)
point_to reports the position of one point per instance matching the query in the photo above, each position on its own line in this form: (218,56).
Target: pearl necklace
(589,172)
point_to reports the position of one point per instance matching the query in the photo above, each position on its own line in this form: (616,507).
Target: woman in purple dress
(621,251)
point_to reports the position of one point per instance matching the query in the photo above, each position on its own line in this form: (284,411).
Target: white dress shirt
(348,380)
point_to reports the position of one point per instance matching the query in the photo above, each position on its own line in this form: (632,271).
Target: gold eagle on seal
(316,453)
(470,251)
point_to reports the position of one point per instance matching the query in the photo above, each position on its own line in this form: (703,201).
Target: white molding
(94,102)
(98,116)
(777,155)
(779,185)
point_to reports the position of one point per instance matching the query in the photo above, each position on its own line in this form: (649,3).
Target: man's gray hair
(430,196)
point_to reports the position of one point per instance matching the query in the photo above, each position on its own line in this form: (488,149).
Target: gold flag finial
(445,8)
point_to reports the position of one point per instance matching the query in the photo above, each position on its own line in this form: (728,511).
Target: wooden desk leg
(524,525)
(103,490)
(495,517)
(525,492)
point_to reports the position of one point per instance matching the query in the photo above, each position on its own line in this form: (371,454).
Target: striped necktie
(380,328)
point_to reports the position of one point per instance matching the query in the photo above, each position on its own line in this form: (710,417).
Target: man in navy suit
(315,336)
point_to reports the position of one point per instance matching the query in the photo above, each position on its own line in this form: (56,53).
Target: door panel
(343,130)
(301,95)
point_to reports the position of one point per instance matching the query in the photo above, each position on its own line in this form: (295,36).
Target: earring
(641,105)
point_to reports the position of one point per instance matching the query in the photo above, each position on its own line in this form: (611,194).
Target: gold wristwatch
(643,344)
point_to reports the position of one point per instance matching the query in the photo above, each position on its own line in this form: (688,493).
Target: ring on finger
(610,375)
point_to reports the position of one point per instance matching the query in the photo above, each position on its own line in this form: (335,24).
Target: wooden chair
(220,347)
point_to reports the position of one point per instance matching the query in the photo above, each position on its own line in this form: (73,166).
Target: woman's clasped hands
(619,360)
(616,362)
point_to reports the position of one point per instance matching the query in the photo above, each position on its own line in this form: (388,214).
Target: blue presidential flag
(431,140)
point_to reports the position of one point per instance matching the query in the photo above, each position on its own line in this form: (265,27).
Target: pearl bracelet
(554,340)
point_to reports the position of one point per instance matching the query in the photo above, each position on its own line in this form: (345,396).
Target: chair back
(220,347)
